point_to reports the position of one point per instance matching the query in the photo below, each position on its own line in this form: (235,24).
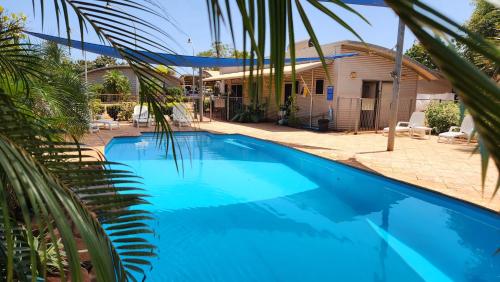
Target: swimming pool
(243,209)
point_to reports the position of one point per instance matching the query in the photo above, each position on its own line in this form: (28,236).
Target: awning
(169,59)
(266,72)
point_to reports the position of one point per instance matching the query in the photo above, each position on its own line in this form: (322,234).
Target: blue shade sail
(169,59)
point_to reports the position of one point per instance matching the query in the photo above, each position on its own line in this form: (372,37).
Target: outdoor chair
(106,123)
(417,119)
(93,127)
(464,131)
(141,116)
(181,115)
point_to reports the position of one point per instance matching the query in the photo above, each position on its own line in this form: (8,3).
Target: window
(320,83)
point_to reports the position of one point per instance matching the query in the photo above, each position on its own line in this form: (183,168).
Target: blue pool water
(242,209)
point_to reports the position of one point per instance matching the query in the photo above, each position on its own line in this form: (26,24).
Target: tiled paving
(451,169)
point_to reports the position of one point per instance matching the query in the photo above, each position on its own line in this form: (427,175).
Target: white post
(396,74)
(200,93)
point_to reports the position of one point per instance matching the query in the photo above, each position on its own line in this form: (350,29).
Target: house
(97,76)
(354,93)
(187,80)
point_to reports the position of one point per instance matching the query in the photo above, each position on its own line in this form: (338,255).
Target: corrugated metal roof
(266,72)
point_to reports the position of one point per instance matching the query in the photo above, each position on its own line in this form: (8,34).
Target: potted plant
(323,124)
(113,112)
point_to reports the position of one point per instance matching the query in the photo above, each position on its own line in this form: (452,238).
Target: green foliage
(96,88)
(222,50)
(101,62)
(174,92)
(47,253)
(251,113)
(115,83)
(418,53)
(441,116)
(57,191)
(126,111)
(484,21)
(97,107)
(113,111)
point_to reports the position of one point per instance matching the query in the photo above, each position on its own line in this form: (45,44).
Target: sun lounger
(464,131)
(141,116)
(181,115)
(107,124)
(417,119)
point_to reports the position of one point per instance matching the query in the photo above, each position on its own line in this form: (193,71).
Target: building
(354,93)
(97,76)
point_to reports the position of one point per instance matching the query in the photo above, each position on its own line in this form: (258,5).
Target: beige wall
(434,87)
(367,67)
(370,67)
(97,76)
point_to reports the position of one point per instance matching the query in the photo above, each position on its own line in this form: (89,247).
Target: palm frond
(59,185)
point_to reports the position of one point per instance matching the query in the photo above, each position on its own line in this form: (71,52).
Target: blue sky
(192,20)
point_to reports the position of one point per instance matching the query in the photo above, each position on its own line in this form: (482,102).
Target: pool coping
(487,209)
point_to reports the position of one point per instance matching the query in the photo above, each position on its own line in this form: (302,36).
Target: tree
(484,21)
(418,53)
(115,83)
(101,62)
(222,50)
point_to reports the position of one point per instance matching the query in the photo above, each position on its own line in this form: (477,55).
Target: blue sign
(329,93)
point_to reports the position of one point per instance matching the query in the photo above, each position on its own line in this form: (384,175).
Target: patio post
(396,75)
(200,93)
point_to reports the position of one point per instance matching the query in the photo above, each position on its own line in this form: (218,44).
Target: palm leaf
(58,188)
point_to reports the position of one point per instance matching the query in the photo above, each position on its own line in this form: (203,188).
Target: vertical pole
(393,114)
(200,92)
(85,59)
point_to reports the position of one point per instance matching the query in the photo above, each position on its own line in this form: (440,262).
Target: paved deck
(451,169)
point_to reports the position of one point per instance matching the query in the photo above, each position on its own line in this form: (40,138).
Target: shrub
(251,113)
(115,83)
(174,92)
(96,88)
(126,111)
(113,111)
(440,116)
(96,107)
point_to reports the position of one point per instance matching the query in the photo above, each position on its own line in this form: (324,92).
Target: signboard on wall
(329,93)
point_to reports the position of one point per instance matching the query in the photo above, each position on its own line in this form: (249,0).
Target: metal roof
(265,72)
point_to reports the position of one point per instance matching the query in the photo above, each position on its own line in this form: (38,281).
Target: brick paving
(451,169)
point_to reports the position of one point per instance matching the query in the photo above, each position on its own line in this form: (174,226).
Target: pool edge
(324,158)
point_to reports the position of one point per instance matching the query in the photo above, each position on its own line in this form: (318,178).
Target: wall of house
(97,76)
(434,87)
(352,71)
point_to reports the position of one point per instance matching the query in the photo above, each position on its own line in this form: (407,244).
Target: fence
(370,114)
(116,98)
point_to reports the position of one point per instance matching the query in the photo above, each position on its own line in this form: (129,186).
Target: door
(288,93)
(368,104)
(384,105)
(237,90)
(235,100)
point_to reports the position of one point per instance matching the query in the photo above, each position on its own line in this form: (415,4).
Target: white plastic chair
(417,119)
(465,130)
(141,115)
(180,115)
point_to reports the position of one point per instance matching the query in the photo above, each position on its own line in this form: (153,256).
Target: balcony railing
(116,98)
